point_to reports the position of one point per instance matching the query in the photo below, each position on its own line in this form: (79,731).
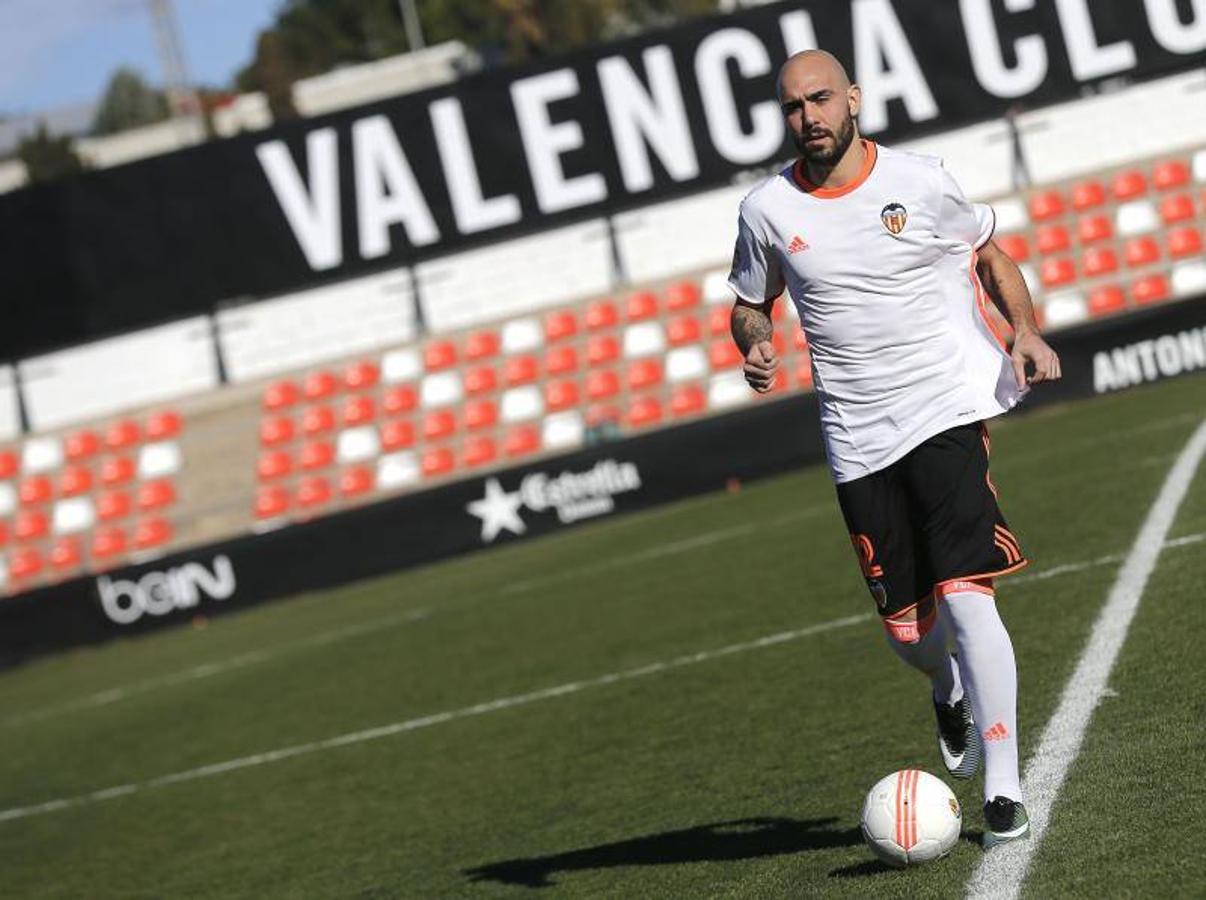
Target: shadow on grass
(875,867)
(718,841)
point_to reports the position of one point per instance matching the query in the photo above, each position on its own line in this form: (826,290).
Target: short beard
(842,141)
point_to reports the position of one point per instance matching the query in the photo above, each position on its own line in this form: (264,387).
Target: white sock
(931,656)
(990,674)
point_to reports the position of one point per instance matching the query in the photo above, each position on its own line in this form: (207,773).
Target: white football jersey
(882,272)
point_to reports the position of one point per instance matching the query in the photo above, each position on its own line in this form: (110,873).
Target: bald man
(890,268)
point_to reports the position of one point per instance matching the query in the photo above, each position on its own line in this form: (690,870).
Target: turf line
(1001,872)
(383,731)
(205,670)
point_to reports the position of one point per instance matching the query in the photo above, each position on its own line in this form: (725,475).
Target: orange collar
(824,193)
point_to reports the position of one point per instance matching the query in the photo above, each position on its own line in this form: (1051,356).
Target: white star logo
(498,510)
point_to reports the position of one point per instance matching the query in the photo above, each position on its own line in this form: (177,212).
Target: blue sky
(61,52)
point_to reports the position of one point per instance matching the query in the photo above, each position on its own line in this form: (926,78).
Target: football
(911,817)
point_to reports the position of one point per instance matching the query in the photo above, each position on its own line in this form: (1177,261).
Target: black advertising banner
(508,151)
(536,499)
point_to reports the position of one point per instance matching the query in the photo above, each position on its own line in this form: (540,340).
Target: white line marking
(1002,870)
(383,731)
(205,670)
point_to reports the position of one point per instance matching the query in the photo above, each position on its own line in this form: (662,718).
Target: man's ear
(854,99)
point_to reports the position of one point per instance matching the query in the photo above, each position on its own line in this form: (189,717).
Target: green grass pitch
(626,758)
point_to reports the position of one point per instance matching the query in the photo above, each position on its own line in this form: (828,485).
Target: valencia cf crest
(894,217)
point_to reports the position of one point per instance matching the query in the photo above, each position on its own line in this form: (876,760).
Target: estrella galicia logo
(573,495)
(894,216)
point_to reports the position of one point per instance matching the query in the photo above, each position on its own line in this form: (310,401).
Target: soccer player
(888,265)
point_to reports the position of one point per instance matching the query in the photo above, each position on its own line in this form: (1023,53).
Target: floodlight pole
(410,21)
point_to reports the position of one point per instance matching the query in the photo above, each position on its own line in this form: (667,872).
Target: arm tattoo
(750,326)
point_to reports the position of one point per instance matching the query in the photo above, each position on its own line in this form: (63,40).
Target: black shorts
(927,521)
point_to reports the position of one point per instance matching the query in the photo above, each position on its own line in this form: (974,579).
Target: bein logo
(159,593)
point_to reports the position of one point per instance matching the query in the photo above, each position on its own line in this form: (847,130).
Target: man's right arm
(752,331)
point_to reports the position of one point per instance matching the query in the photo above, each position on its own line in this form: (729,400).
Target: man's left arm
(1005,285)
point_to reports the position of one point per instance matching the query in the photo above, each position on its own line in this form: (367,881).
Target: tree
(311,37)
(128,102)
(47,157)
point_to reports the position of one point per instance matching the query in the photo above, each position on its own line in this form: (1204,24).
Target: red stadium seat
(361,375)
(271,465)
(687,400)
(521,370)
(481,345)
(1091,229)
(1142,250)
(601,314)
(1054,272)
(1098,261)
(439,355)
(1046,205)
(602,349)
(271,502)
(400,399)
(108,542)
(1150,289)
(719,319)
(522,440)
(35,489)
(480,380)
(276,431)
(152,532)
(318,420)
(437,461)
(116,470)
(78,446)
(397,435)
(30,524)
(112,505)
(1087,194)
(75,480)
(313,491)
(480,414)
(799,340)
(65,554)
(479,451)
(9,464)
(1176,208)
(1170,174)
(641,305)
(438,424)
(316,455)
(281,395)
(644,373)
(156,495)
(1128,185)
(122,434)
(1106,299)
(1184,242)
(644,411)
(779,382)
(1014,245)
(604,414)
(560,325)
(683,330)
(602,384)
(682,295)
(356,481)
(723,354)
(4,535)
(560,395)
(804,373)
(164,424)
(1051,239)
(319,385)
(24,564)
(560,360)
(358,411)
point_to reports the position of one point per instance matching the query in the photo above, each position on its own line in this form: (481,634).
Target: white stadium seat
(686,364)
(158,459)
(644,339)
(396,470)
(520,335)
(727,390)
(519,404)
(1011,215)
(401,365)
(716,287)
(41,454)
(1189,278)
(358,444)
(442,389)
(1199,166)
(8,498)
(563,430)
(1065,308)
(76,514)
(1136,217)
